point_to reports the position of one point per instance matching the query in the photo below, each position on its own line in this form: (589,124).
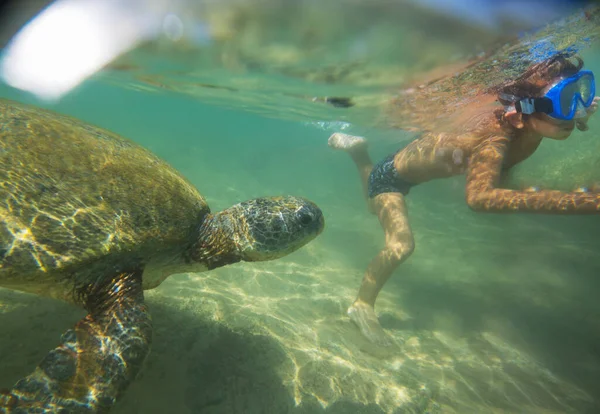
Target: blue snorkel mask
(566,100)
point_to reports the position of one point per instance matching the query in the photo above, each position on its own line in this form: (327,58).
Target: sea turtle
(89,217)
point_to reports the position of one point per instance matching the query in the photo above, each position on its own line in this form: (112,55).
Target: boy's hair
(538,76)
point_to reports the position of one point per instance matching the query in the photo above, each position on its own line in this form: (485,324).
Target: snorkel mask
(568,99)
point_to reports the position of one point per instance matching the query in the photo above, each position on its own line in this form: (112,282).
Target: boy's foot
(364,317)
(345,142)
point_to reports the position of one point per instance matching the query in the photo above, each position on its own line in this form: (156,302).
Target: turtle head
(256,230)
(277,226)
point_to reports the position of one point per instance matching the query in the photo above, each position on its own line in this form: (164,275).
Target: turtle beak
(321,223)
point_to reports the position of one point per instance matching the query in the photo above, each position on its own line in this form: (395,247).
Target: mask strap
(526,106)
(529,106)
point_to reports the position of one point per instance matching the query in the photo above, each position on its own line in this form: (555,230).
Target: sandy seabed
(479,324)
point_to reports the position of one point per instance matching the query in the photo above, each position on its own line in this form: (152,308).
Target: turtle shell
(77,201)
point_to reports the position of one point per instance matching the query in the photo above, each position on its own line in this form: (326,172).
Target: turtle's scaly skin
(96,360)
(71,194)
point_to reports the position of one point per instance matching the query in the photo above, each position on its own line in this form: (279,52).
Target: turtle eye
(305,218)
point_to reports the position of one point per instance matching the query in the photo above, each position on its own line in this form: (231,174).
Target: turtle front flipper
(96,360)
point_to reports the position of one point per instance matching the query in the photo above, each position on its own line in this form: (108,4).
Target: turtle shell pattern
(77,201)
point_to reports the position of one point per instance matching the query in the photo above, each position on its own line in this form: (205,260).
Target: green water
(492,313)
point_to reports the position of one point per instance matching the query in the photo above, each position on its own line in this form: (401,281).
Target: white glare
(72,39)
(173,27)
